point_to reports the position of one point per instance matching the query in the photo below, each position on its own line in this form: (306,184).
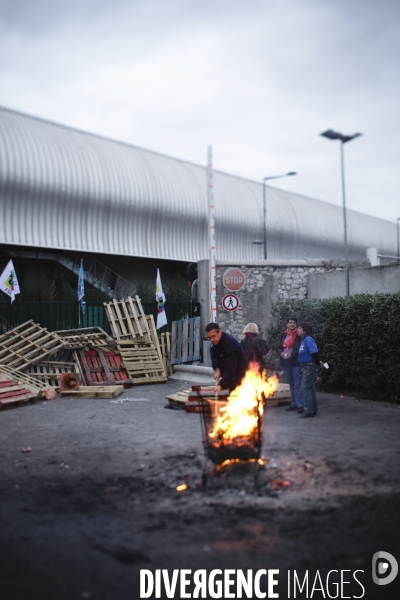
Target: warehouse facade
(66,190)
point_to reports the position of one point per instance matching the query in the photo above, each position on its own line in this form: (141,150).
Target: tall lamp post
(334,135)
(264,240)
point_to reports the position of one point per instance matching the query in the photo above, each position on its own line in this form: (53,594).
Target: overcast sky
(259,80)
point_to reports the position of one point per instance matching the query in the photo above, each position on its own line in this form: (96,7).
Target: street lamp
(334,135)
(264,240)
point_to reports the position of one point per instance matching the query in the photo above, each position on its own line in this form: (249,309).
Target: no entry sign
(230,302)
(233,279)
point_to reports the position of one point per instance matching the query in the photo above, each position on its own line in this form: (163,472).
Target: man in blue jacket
(227,357)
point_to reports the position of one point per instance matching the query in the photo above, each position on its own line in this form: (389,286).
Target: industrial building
(66,194)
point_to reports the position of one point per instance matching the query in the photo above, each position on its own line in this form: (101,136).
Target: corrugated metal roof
(61,188)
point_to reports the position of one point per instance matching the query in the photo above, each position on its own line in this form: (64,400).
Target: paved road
(95,500)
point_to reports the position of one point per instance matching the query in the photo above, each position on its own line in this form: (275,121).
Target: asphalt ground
(94,501)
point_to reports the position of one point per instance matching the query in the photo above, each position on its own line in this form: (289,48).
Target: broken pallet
(27,344)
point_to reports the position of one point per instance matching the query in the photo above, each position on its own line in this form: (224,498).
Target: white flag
(9,281)
(160,297)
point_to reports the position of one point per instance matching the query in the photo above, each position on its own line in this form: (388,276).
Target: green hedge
(358,336)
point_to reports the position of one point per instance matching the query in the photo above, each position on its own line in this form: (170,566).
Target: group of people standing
(297,350)
(299,357)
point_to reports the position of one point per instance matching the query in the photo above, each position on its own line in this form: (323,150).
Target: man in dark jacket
(227,357)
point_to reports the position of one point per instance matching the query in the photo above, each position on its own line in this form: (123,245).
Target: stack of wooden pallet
(32,356)
(137,341)
(22,349)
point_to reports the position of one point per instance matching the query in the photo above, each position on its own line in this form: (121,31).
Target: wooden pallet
(155,340)
(87,337)
(33,385)
(13,394)
(165,345)
(107,391)
(127,319)
(27,344)
(185,340)
(49,372)
(191,399)
(101,367)
(141,361)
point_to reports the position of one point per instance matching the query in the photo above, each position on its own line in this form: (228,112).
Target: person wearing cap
(288,351)
(254,346)
(227,358)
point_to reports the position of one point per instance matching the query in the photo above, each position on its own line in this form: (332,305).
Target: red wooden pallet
(12,394)
(101,367)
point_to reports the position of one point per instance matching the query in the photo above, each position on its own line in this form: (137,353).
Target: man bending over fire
(227,357)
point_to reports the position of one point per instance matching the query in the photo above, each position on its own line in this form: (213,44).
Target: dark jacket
(229,357)
(295,350)
(255,349)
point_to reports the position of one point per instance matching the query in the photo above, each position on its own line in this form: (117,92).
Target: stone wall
(266,282)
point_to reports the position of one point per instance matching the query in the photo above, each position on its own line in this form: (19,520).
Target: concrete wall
(266,282)
(366,280)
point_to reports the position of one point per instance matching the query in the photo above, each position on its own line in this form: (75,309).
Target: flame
(181,488)
(239,417)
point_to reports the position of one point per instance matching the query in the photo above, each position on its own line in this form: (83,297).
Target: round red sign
(230,302)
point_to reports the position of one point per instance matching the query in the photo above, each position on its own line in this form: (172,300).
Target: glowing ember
(239,418)
(181,488)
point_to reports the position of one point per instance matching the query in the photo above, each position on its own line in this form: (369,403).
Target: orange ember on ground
(239,418)
(181,488)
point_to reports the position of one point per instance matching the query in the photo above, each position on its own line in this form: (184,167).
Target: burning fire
(239,417)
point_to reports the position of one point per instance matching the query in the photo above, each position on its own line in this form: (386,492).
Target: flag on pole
(160,297)
(81,288)
(9,282)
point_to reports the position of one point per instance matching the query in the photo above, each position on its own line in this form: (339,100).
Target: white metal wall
(65,189)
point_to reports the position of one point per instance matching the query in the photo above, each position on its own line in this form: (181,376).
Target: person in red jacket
(288,350)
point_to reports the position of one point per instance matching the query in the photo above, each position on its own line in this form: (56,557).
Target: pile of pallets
(137,341)
(35,358)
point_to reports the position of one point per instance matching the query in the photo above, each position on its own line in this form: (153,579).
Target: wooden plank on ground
(109,391)
(179,399)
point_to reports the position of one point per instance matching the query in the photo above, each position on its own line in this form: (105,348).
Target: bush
(358,336)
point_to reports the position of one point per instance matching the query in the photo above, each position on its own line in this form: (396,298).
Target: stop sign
(233,280)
